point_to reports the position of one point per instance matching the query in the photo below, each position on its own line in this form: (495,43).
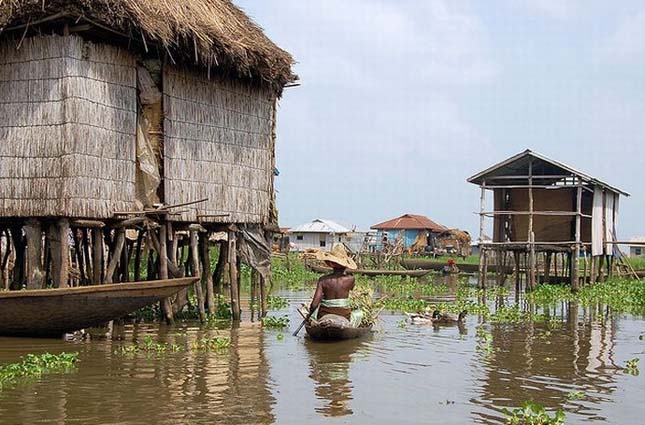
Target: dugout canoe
(366,272)
(330,332)
(54,312)
(419,264)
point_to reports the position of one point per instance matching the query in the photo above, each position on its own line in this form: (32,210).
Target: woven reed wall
(67,128)
(218,144)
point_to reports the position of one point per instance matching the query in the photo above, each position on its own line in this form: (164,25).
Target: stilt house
(142,114)
(542,207)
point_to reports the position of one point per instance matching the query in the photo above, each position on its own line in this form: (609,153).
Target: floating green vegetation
(279,337)
(214,343)
(34,366)
(274,322)
(401,324)
(631,367)
(148,346)
(576,395)
(485,343)
(277,303)
(621,294)
(532,414)
(291,272)
(515,315)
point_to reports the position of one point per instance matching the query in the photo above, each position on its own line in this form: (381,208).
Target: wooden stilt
(516,261)
(204,248)
(116,255)
(255,303)
(19,246)
(35,270)
(59,249)
(218,274)
(263,295)
(482,269)
(194,250)
(78,255)
(547,266)
(233,272)
(137,255)
(166,305)
(97,256)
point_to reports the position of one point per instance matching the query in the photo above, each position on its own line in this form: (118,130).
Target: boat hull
(54,312)
(332,333)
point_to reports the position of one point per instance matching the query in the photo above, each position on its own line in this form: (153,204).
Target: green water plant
(34,366)
(631,367)
(274,322)
(277,303)
(214,343)
(533,414)
(576,395)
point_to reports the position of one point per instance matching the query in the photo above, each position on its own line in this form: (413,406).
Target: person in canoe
(332,290)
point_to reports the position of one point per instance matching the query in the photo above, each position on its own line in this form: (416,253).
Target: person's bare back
(333,286)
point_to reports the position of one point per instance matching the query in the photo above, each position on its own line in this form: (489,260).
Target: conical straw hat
(338,255)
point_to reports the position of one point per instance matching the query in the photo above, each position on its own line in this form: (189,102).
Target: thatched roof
(213,33)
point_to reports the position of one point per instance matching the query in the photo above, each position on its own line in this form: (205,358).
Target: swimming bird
(448,318)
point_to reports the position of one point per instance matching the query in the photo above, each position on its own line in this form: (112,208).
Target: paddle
(303,322)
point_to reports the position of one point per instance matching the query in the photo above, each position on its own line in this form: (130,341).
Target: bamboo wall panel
(67,128)
(218,144)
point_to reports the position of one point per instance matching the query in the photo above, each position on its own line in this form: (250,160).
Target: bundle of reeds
(363,298)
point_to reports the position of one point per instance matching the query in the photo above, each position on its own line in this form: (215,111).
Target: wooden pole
(547,266)
(19,247)
(516,260)
(575,266)
(206,272)
(59,249)
(233,272)
(35,271)
(116,256)
(137,255)
(482,267)
(263,295)
(218,274)
(255,305)
(166,305)
(194,250)
(531,235)
(97,256)
(482,208)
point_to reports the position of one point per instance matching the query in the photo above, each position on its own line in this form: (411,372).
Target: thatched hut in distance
(544,207)
(153,115)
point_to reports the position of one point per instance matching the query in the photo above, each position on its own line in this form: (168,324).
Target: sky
(400,101)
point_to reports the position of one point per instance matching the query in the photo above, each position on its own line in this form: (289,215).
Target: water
(400,375)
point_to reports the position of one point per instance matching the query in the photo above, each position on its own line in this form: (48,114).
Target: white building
(638,249)
(319,234)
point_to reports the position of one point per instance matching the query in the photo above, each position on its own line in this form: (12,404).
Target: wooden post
(232,267)
(531,235)
(116,255)
(575,266)
(97,256)
(206,272)
(255,305)
(194,255)
(547,266)
(218,274)
(482,209)
(166,305)
(35,272)
(137,255)
(19,275)
(516,260)
(263,296)
(59,249)
(482,272)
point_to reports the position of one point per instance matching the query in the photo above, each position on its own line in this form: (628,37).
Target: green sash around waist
(337,303)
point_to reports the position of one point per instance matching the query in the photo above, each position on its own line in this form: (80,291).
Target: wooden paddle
(303,322)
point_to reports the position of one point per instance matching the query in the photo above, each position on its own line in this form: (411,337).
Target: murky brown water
(400,375)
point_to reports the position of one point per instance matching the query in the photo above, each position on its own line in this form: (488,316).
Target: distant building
(638,249)
(407,227)
(319,234)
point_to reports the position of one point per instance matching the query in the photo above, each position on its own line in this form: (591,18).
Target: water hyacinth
(34,366)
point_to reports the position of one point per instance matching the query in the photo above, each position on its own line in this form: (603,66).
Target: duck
(447,318)
(436,318)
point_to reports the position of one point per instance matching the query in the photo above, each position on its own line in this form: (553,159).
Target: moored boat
(54,312)
(367,272)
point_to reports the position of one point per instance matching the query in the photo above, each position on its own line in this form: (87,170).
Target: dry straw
(215,33)
(68,120)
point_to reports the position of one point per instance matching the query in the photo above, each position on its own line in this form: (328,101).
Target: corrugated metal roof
(516,164)
(410,221)
(320,226)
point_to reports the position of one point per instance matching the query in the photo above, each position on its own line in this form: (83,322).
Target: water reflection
(329,368)
(533,361)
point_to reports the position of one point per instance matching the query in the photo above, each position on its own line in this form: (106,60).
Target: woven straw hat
(338,255)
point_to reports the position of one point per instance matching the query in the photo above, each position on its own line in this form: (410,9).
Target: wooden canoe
(54,312)
(411,273)
(421,264)
(334,333)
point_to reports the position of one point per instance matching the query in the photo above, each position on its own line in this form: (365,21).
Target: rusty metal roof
(410,221)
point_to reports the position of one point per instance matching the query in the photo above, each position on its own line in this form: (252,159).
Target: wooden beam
(199,293)
(232,267)
(116,256)
(166,305)
(35,270)
(59,250)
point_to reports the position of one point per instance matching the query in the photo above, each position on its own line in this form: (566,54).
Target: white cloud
(627,43)
(556,9)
